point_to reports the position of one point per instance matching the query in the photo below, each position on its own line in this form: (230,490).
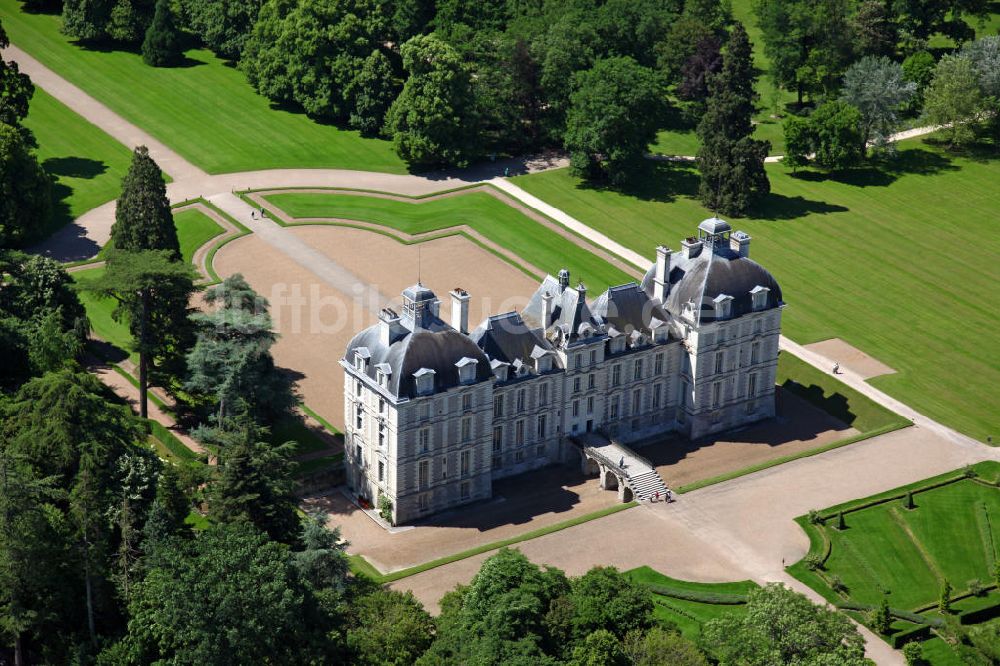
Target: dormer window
(361,358)
(382,373)
(543,364)
(500,370)
(759,296)
(466,369)
(425,381)
(723,306)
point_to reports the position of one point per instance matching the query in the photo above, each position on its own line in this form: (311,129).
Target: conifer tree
(162,45)
(730,161)
(143,220)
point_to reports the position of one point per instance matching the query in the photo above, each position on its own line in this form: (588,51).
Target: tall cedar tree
(162,46)
(730,161)
(146,284)
(255,482)
(143,220)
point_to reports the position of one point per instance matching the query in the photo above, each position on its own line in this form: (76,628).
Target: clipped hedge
(898,613)
(719,598)
(169,440)
(979,614)
(919,633)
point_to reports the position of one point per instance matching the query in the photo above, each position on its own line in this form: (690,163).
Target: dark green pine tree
(162,45)
(143,220)
(731,162)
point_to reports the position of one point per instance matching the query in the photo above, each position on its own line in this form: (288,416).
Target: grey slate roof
(712,272)
(506,338)
(628,308)
(438,349)
(569,309)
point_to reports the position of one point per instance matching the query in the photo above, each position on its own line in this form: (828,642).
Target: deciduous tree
(877,87)
(373,91)
(783,627)
(953,98)
(433,121)
(614,113)
(223,25)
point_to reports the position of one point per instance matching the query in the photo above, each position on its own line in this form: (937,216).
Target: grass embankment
(688,604)
(832,396)
(361,566)
(904,555)
(194,229)
(86,165)
(875,256)
(237,130)
(487,215)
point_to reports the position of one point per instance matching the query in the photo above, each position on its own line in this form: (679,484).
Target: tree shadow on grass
(781,207)
(884,171)
(836,405)
(74,167)
(653,180)
(108,46)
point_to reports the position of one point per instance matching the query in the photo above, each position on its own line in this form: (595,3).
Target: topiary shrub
(909,500)
(841,523)
(815,518)
(162,45)
(814,563)
(976,588)
(944,602)
(969,472)
(913,653)
(838,585)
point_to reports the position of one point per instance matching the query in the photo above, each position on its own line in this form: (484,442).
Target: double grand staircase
(637,473)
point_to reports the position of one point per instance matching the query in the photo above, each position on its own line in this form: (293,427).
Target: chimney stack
(389,326)
(460,310)
(661,279)
(547,299)
(691,247)
(739,242)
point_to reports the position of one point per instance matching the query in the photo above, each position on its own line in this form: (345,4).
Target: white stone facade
(434,412)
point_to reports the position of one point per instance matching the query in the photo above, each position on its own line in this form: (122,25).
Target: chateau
(436,411)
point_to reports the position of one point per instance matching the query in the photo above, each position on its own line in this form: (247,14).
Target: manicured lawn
(294,429)
(204,110)
(86,165)
(886,548)
(194,229)
(482,212)
(688,614)
(832,396)
(878,257)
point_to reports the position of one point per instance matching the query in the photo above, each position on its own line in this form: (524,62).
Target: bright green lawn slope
(494,219)
(206,111)
(86,164)
(903,263)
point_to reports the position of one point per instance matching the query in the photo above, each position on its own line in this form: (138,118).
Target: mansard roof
(711,272)
(569,309)
(507,338)
(628,308)
(439,350)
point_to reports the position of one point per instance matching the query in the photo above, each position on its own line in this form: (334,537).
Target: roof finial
(418,263)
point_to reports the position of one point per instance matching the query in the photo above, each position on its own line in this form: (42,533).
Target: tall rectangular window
(519,433)
(637,372)
(719,360)
(467,402)
(577,361)
(590,404)
(616,374)
(658,364)
(465,490)
(636,401)
(754,352)
(423,473)
(656,395)
(576,385)
(593,356)
(576,408)
(466,428)
(752,385)
(444,467)
(613,409)
(357,387)
(716,394)
(381,434)
(497,439)
(359,416)
(498,405)
(381,406)
(520,400)
(543,394)
(424,440)
(591,380)
(381,471)
(465,463)
(541,426)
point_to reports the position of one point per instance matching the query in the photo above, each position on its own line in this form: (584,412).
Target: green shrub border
(169,440)
(319,419)
(366,568)
(715,598)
